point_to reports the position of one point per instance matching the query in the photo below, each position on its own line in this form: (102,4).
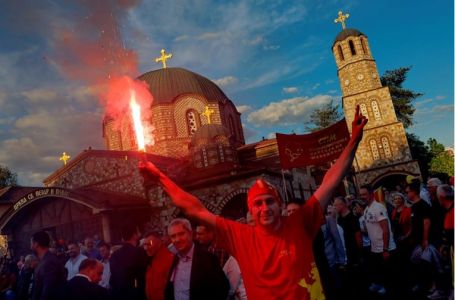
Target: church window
(363,109)
(231,125)
(375,108)
(364,47)
(221,153)
(351,45)
(192,121)
(386,147)
(340,52)
(205,160)
(374,149)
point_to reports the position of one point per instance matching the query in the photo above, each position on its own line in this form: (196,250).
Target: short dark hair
(103,244)
(42,238)
(341,198)
(414,186)
(368,187)
(88,263)
(128,230)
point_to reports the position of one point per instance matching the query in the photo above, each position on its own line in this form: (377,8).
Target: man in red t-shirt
(275,256)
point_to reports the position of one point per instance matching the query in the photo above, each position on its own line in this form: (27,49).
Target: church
(200,144)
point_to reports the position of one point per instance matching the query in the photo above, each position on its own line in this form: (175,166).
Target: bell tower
(384,149)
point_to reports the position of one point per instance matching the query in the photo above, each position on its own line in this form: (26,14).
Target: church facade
(199,143)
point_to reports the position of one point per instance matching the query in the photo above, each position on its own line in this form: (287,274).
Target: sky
(273,59)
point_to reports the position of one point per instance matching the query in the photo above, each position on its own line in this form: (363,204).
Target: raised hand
(358,123)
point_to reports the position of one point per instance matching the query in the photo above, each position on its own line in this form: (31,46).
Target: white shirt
(363,228)
(106,274)
(181,276)
(374,213)
(73,265)
(232,270)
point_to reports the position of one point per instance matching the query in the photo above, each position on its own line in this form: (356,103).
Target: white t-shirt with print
(374,213)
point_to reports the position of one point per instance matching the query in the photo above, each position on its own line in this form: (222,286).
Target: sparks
(138,128)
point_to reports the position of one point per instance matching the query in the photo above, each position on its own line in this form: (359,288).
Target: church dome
(168,83)
(345,33)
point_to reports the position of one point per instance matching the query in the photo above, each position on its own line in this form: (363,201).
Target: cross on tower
(163,58)
(341,19)
(207,113)
(65,158)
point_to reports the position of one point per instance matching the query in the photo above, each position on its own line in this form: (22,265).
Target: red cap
(262,187)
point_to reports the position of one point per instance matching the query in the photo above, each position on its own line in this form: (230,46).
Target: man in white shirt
(105,252)
(73,263)
(381,238)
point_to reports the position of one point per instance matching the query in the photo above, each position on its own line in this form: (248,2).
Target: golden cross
(342,18)
(208,112)
(163,58)
(65,158)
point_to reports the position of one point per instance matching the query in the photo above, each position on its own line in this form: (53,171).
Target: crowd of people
(329,247)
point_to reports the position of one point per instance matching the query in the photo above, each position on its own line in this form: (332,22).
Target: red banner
(314,148)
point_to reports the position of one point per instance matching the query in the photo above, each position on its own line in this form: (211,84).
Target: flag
(379,195)
(314,148)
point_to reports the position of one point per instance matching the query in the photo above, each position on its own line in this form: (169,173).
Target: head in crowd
(40,241)
(204,235)
(358,206)
(105,251)
(131,234)
(91,268)
(445,195)
(366,194)
(341,206)
(73,250)
(31,261)
(413,190)
(181,234)
(398,199)
(433,184)
(331,211)
(152,243)
(264,203)
(292,207)
(89,243)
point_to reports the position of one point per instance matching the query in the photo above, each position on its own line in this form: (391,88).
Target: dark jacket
(207,281)
(49,279)
(128,265)
(80,288)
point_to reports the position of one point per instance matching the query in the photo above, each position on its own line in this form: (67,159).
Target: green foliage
(435,147)
(402,98)
(7,177)
(420,152)
(443,163)
(324,116)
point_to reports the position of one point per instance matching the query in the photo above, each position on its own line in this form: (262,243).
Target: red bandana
(262,187)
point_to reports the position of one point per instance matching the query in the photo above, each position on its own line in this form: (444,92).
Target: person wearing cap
(275,256)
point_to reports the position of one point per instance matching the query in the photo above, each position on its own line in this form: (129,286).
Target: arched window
(374,149)
(386,147)
(192,121)
(364,47)
(375,108)
(351,46)
(221,153)
(340,52)
(363,109)
(205,160)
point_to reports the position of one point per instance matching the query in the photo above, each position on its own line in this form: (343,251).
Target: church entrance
(60,217)
(390,182)
(236,208)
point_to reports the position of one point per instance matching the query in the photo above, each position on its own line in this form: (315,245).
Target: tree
(402,98)
(7,177)
(420,152)
(324,116)
(443,163)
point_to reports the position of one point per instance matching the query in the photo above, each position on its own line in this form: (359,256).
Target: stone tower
(384,150)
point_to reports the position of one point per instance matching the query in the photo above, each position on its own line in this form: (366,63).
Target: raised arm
(188,203)
(336,173)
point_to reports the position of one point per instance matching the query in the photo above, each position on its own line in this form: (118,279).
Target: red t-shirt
(281,265)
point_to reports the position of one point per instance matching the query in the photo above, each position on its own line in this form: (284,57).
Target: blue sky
(272,58)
